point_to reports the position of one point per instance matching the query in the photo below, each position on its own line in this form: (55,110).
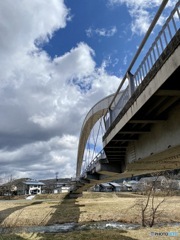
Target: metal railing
(169,29)
(162,40)
(101,155)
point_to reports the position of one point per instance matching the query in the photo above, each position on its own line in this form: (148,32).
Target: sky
(57,59)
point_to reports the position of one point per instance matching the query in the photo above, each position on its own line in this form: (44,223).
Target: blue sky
(104,28)
(58,58)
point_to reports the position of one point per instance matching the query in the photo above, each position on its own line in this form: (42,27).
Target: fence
(131,82)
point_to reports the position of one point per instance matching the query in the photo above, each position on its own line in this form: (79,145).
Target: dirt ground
(90,207)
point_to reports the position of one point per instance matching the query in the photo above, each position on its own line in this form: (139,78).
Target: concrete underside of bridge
(145,137)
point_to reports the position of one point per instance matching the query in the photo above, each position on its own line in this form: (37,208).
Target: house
(130,185)
(115,186)
(96,188)
(62,189)
(65,189)
(57,185)
(32,187)
(127,186)
(105,187)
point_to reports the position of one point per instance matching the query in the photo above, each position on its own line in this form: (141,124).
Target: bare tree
(149,206)
(8,188)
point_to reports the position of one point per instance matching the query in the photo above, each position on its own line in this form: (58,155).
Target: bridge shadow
(7,212)
(67,211)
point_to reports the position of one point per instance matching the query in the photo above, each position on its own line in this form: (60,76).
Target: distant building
(105,187)
(32,187)
(62,189)
(65,189)
(115,186)
(130,185)
(57,185)
(96,188)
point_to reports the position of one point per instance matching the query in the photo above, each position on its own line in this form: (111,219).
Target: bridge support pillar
(108,168)
(131,83)
(92,176)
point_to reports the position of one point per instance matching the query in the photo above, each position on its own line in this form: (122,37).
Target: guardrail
(92,164)
(169,29)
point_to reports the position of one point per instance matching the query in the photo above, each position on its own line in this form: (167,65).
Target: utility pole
(56,178)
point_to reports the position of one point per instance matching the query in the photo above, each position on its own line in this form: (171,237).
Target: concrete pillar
(131,83)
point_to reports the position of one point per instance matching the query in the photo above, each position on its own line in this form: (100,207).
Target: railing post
(131,83)
(110,117)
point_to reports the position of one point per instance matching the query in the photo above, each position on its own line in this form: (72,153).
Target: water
(58,228)
(67,227)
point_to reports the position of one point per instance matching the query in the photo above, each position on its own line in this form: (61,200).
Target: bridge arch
(95,113)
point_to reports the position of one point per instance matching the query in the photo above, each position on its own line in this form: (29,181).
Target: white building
(65,189)
(33,187)
(62,189)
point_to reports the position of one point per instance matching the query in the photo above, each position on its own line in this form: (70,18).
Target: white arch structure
(95,113)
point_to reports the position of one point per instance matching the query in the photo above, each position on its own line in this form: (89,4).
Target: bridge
(142,119)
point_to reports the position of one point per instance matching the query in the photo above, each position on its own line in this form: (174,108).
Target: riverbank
(100,234)
(90,207)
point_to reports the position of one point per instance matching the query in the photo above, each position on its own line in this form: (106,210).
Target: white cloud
(102,32)
(44,121)
(38,19)
(43,100)
(141,12)
(141,21)
(78,61)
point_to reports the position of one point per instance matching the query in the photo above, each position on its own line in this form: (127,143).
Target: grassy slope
(89,207)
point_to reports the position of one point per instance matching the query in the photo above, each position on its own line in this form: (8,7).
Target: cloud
(102,32)
(38,19)
(41,158)
(141,12)
(43,100)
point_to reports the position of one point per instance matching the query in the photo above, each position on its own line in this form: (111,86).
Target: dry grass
(140,234)
(82,235)
(28,215)
(59,196)
(89,207)
(123,208)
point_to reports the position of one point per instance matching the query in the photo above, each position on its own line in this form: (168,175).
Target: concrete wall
(160,148)
(161,137)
